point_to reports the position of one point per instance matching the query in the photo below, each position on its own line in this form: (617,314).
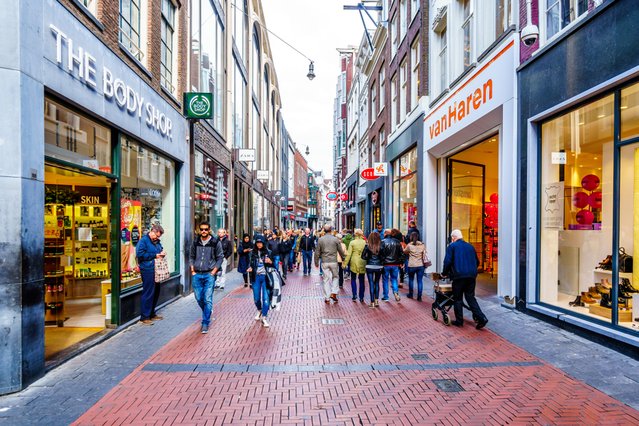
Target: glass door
(466,187)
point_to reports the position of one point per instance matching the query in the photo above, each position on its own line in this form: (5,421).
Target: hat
(260,239)
(378,223)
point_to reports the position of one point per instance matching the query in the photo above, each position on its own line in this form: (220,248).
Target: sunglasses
(205,229)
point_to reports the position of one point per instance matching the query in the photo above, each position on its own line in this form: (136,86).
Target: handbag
(426,259)
(161,270)
(625,261)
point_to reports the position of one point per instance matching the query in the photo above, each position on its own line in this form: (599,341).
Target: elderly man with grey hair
(460,264)
(327,249)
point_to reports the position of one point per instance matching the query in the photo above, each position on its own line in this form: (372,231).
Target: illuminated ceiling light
(601,115)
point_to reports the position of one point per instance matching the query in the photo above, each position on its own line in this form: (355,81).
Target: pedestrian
(298,248)
(261,264)
(460,264)
(357,265)
(412,229)
(393,258)
(205,258)
(340,260)
(227,249)
(307,245)
(148,249)
(348,237)
(396,233)
(244,249)
(379,228)
(286,248)
(415,251)
(292,254)
(374,266)
(273,245)
(328,247)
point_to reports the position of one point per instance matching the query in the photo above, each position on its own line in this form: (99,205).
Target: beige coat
(415,254)
(328,248)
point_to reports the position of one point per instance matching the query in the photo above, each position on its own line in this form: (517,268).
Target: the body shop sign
(83,65)
(489,87)
(198,105)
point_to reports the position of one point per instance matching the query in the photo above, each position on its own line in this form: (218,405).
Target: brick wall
(525,52)
(108,15)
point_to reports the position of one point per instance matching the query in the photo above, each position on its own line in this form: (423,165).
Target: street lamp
(311,76)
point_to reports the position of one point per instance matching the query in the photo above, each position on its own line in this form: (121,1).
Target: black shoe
(481,324)
(457,323)
(419,298)
(245,285)
(409,295)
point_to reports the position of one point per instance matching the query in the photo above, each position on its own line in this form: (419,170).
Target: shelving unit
(55,270)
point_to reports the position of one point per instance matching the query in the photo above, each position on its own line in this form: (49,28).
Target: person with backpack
(205,258)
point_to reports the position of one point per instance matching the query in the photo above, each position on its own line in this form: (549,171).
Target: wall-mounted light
(311,71)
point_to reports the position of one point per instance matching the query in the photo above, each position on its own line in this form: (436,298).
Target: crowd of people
(266,258)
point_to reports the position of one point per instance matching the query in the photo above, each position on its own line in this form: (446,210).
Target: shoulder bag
(426,259)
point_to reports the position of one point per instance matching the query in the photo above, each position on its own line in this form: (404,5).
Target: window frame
(125,38)
(167,67)
(414,80)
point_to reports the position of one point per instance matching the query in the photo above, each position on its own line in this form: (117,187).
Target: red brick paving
(538,394)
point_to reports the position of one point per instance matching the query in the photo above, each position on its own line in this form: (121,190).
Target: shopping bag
(161,270)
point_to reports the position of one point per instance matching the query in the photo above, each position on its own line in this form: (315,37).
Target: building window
(394,102)
(440,65)
(414,78)
(239,27)
(168,46)
(503,16)
(374,100)
(403,19)
(382,89)
(467,33)
(403,89)
(130,27)
(414,8)
(256,65)
(560,13)
(381,144)
(238,107)
(91,5)
(394,35)
(405,190)
(255,138)
(265,97)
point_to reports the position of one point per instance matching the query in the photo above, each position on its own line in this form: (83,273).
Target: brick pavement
(381,366)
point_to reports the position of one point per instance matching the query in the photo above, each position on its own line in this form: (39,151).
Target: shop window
(211,192)
(72,137)
(148,197)
(630,112)
(576,198)
(405,190)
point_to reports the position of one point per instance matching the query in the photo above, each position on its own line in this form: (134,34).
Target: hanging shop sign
(343,197)
(368,174)
(262,174)
(331,196)
(246,155)
(380,169)
(92,195)
(198,105)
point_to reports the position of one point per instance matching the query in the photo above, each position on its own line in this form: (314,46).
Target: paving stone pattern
(302,371)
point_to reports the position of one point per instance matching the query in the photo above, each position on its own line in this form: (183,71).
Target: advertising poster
(131,219)
(552,211)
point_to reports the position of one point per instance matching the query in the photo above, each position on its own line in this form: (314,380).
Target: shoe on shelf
(204,329)
(146,322)
(457,323)
(576,302)
(397,298)
(585,298)
(265,323)
(157,318)
(258,316)
(482,323)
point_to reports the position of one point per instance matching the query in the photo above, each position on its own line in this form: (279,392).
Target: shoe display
(204,329)
(576,302)
(146,322)
(258,316)
(605,301)
(265,323)
(585,298)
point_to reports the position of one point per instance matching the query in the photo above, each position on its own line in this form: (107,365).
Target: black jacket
(412,231)
(274,247)
(256,255)
(460,261)
(391,252)
(370,258)
(227,247)
(286,246)
(307,243)
(205,258)
(243,246)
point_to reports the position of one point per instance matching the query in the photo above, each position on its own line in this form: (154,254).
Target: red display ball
(585,217)
(590,182)
(490,209)
(594,200)
(494,198)
(580,199)
(489,222)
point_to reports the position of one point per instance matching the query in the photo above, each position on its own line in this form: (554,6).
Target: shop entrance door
(466,192)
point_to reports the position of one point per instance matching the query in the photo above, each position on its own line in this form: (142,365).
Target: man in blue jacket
(461,264)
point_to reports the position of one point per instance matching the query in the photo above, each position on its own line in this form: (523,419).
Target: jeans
(261,294)
(276,262)
(331,279)
(465,287)
(362,285)
(203,283)
(307,256)
(341,275)
(291,260)
(150,294)
(419,271)
(373,282)
(221,281)
(391,272)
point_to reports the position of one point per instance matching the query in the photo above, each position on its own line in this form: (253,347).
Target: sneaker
(397,298)
(371,305)
(204,329)
(258,316)
(419,298)
(146,322)
(265,323)
(334,297)
(385,299)
(157,318)
(377,303)
(327,301)
(354,299)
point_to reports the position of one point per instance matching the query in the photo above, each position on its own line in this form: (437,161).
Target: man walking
(205,257)
(392,256)
(460,263)
(328,247)
(227,249)
(307,245)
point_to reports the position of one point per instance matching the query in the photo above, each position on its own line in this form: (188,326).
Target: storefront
(114,152)
(469,163)
(580,181)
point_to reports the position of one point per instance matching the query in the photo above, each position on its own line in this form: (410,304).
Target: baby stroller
(444,300)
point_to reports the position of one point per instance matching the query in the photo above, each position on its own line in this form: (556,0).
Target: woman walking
(285,248)
(261,264)
(273,244)
(357,265)
(244,249)
(374,266)
(415,251)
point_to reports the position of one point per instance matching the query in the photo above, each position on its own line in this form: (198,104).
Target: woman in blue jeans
(374,266)
(415,251)
(260,269)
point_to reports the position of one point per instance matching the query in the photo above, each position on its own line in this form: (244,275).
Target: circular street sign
(343,197)
(331,196)
(368,174)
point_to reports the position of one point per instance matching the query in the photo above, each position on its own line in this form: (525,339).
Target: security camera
(529,34)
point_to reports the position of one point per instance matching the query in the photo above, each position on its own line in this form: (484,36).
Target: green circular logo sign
(200,106)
